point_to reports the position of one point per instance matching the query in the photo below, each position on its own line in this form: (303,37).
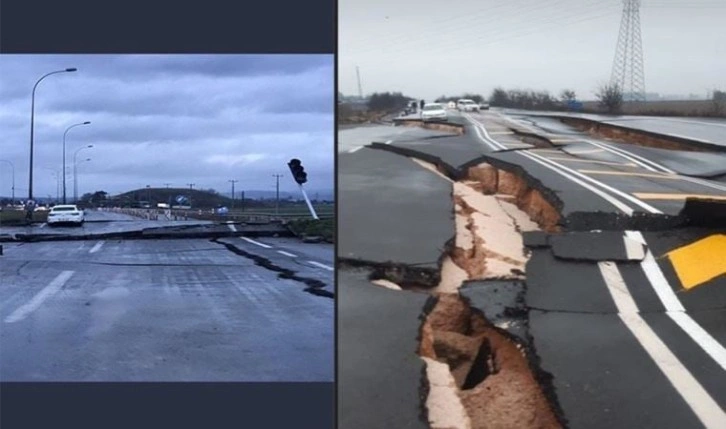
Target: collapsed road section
(495,284)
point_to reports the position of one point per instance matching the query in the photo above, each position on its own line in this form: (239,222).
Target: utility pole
(277,193)
(233,182)
(167,185)
(191,185)
(360,89)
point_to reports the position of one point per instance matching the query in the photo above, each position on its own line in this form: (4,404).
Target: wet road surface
(198,309)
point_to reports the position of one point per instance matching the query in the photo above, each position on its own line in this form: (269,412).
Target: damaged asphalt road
(201,308)
(572,278)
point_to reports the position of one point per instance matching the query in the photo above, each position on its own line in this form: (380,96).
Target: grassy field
(18,217)
(310,227)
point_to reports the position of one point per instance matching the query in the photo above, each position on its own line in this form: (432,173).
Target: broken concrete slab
(391,210)
(596,246)
(378,367)
(501,302)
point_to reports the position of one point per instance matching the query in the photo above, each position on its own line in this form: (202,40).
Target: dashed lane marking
(232,227)
(582,152)
(634,174)
(282,252)
(588,161)
(501,133)
(703,405)
(323,266)
(669,197)
(53,287)
(354,150)
(700,261)
(96,247)
(674,308)
(249,240)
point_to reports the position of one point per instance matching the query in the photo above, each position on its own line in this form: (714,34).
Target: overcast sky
(177,119)
(429,48)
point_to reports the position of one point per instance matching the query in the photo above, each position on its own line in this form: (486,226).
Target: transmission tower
(628,71)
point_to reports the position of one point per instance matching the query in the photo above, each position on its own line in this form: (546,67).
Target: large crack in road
(314,286)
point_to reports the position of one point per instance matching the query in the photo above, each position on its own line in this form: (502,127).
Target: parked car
(466,105)
(66,214)
(434,112)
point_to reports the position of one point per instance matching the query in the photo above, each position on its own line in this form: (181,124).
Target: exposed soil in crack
(639,137)
(492,375)
(314,286)
(530,200)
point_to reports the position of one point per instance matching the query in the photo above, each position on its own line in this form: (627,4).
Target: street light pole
(75,172)
(32,126)
(233,182)
(12,166)
(277,194)
(64,155)
(75,180)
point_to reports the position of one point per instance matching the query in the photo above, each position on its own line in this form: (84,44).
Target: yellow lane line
(656,196)
(625,173)
(587,161)
(701,261)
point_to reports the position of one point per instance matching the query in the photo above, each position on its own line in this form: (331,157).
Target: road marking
(589,161)
(564,140)
(355,149)
(607,197)
(53,287)
(256,242)
(633,249)
(498,133)
(693,122)
(318,264)
(580,152)
(629,156)
(389,141)
(669,197)
(96,247)
(232,227)
(674,308)
(43,225)
(635,174)
(615,191)
(700,261)
(702,404)
(287,253)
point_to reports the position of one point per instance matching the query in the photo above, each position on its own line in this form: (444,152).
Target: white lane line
(53,287)
(232,227)
(702,404)
(282,252)
(318,264)
(626,155)
(249,240)
(674,308)
(43,225)
(618,192)
(607,197)
(693,122)
(633,249)
(97,247)
(389,141)
(356,149)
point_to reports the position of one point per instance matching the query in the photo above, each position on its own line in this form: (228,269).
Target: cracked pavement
(592,272)
(207,307)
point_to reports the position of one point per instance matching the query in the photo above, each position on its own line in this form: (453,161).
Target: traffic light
(297,170)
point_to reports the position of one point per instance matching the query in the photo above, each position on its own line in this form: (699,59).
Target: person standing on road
(422,104)
(29,209)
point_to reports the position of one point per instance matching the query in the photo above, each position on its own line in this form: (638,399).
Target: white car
(61,214)
(483,106)
(434,112)
(465,105)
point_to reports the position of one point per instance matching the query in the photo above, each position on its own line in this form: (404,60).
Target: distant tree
(568,96)
(387,101)
(610,97)
(499,98)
